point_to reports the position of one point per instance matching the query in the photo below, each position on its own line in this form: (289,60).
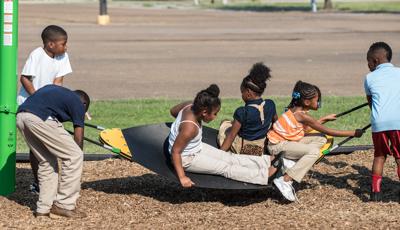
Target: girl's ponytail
(207,99)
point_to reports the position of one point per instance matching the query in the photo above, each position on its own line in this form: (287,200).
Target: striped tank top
(286,128)
(194,145)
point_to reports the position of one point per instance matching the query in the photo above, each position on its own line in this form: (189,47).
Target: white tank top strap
(260,109)
(189,121)
(186,106)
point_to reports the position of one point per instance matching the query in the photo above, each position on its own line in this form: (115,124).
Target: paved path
(174,53)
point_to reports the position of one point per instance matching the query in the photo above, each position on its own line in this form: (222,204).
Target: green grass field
(129,113)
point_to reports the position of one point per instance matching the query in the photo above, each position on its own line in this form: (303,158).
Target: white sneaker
(288,163)
(285,188)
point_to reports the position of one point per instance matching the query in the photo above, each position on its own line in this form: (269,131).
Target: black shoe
(277,163)
(376,197)
(34,188)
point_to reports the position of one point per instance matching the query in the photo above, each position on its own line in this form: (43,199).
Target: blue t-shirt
(56,102)
(249,118)
(383,85)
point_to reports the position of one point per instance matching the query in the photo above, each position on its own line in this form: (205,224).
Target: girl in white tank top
(194,145)
(185,135)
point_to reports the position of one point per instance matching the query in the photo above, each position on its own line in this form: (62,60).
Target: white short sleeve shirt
(43,69)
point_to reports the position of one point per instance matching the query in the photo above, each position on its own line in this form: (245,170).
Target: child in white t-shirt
(45,65)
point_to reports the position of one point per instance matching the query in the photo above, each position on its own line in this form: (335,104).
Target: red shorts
(387,143)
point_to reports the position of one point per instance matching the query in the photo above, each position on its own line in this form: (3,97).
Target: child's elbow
(22,79)
(172,112)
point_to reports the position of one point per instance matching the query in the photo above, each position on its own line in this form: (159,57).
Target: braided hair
(257,78)
(207,99)
(304,91)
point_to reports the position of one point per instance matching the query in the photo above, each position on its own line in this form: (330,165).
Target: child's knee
(322,140)
(315,153)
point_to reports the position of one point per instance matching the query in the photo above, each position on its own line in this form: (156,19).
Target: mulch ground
(120,194)
(144,50)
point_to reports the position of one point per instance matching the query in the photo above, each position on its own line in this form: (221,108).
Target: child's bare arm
(330,117)
(274,118)
(58,81)
(78,136)
(175,110)
(26,82)
(186,133)
(314,124)
(231,135)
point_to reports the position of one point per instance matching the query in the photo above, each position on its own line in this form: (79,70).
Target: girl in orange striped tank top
(288,136)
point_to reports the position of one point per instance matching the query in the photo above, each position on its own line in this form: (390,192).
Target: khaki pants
(236,146)
(246,168)
(48,141)
(305,152)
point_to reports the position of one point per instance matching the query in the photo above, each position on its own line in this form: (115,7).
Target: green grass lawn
(129,113)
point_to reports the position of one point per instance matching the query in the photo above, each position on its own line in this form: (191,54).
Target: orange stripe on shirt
(286,128)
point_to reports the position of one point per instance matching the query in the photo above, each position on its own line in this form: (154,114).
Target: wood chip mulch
(120,194)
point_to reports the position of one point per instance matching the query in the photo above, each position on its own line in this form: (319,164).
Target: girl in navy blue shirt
(246,134)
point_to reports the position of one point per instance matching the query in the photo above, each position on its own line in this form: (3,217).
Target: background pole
(314,6)
(8,93)
(103,18)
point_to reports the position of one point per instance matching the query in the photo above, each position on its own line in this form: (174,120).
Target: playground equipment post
(8,93)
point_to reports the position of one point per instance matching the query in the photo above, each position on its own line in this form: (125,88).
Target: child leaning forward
(287,136)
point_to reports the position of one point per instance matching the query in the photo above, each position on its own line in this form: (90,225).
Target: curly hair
(257,78)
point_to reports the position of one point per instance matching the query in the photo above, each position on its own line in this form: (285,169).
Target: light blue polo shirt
(383,85)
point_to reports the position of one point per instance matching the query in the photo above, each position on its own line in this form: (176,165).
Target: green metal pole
(8,93)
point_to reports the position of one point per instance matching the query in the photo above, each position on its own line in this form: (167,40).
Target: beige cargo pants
(48,141)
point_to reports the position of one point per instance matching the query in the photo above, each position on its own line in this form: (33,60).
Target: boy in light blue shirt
(382,87)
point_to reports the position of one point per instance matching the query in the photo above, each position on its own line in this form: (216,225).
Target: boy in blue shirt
(45,65)
(382,87)
(40,119)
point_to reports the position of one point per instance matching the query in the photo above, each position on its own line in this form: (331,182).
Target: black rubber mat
(149,147)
